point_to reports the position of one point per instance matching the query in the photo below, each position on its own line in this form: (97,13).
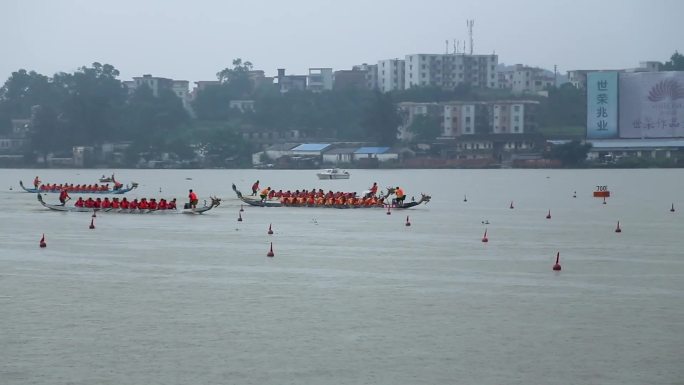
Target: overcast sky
(194,39)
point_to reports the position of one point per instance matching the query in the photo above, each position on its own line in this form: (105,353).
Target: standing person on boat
(373,189)
(63,195)
(193,199)
(264,193)
(36,182)
(400,196)
(255,188)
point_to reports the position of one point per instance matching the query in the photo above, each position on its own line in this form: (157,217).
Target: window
(516,108)
(467,119)
(516,118)
(516,129)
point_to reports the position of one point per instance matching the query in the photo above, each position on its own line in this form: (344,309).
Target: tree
(47,131)
(571,154)
(95,97)
(381,119)
(565,106)
(425,127)
(152,122)
(676,63)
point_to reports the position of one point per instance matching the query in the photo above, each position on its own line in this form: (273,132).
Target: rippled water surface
(352,296)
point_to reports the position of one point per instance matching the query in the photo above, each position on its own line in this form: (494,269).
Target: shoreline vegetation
(90,118)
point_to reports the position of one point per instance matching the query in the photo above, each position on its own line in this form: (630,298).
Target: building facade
(320,79)
(450,70)
(391,75)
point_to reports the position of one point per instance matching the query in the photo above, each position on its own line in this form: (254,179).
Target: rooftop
(311,147)
(372,150)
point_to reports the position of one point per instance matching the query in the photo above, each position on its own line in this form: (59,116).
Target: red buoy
(42,242)
(618,229)
(557,266)
(92,224)
(484,238)
(270,252)
(511,206)
(407,221)
(672,208)
(270,231)
(241,208)
(548,216)
(239,217)
(388,210)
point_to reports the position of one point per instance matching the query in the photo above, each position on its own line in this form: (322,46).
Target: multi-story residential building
(508,117)
(348,79)
(154,83)
(371,74)
(530,80)
(459,118)
(462,118)
(450,70)
(320,79)
(288,83)
(391,74)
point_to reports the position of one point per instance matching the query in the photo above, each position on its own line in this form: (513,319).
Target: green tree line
(92,105)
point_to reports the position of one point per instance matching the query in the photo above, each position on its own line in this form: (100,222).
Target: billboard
(652,105)
(602,105)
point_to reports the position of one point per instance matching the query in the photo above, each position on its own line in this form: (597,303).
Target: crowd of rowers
(125,204)
(321,198)
(78,188)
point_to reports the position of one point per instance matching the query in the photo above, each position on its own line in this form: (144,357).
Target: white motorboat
(333,173)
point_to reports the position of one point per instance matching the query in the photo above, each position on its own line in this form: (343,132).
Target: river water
(351,296)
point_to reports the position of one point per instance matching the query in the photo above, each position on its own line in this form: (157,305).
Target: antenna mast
(470,24)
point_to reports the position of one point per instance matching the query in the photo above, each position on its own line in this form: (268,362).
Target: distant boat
(333,173)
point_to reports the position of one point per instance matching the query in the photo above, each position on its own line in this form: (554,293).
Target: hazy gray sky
(193,40)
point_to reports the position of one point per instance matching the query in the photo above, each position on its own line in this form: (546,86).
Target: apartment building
(530,80)
(391,75)
(450,70)
(371,74)
(463,118)
(320,79)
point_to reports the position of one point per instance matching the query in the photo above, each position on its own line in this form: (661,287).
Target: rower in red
(63,195)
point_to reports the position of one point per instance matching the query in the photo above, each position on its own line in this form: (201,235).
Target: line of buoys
(42,242)
(270,252)
(511,206)
(92,223)
(557,266)
(672,208)
(388,210)
(239,217)
(242,208)
(618,229)
(270,231)
(484,238)
(548,216)
(407,221)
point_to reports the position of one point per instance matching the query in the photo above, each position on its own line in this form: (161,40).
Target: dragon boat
(185,210)
(254,201)
(118,191)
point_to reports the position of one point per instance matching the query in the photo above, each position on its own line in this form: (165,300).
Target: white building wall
(391,74)
(468,119)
